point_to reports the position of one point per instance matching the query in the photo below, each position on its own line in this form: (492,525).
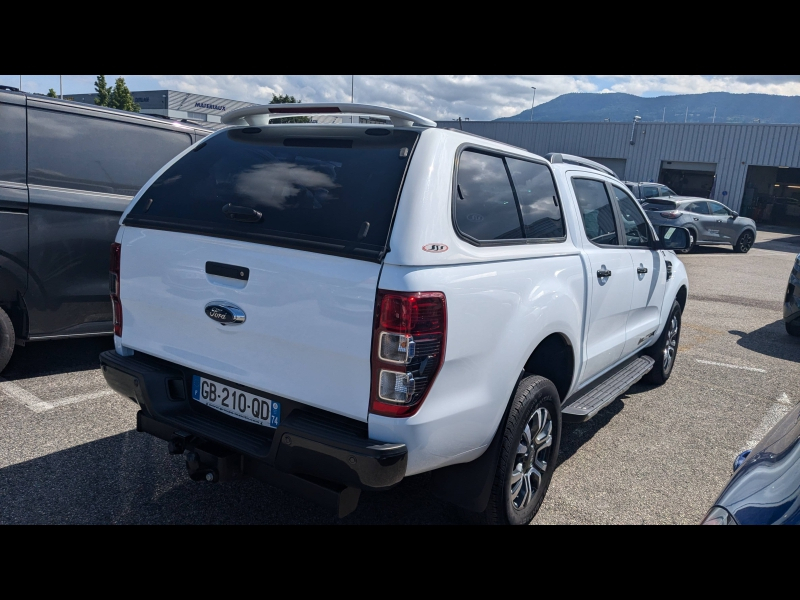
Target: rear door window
(335,194)
(485,207)
(12,143)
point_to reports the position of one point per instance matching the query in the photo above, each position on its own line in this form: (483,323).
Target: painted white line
(34,403)
(774,414)
(709,362)
(23,396)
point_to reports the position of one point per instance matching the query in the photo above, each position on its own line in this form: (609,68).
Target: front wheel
(744,243)
(531,438)
(666,348)
(793,327)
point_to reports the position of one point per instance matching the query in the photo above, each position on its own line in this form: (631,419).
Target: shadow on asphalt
(575,435)
(131,479)
(771,340)
(786,244)
(59,356)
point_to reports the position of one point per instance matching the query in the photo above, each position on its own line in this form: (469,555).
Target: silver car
(708,222)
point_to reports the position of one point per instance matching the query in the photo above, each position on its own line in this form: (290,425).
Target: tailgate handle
(232,271)
(242,213)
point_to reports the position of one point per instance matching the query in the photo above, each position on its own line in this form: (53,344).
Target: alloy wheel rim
(672,344)
(531,460)
(746,242)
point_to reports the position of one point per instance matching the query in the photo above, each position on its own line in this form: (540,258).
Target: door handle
(641,270)
(601,274)
(695,218)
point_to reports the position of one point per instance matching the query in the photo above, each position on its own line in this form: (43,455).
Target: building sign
(206,105)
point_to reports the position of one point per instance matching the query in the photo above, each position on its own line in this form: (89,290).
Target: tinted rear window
(334,194)
(659,204)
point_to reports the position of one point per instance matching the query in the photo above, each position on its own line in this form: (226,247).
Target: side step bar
(588,405)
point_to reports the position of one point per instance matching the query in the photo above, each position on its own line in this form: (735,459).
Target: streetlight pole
(532,101)
(352,88)
(60,87)
(20,83)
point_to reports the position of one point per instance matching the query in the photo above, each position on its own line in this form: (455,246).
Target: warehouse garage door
(615,164)
(772,195)
(688,178)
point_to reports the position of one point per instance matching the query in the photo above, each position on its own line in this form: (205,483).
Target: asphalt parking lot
(69,453)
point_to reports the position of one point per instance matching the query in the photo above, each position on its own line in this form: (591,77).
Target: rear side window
(485,206)
(538,200)
(700,208)
(596,211)
(12,143)
(329,194)
(95,154)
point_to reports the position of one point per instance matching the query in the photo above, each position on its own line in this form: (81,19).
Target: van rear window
(333,193)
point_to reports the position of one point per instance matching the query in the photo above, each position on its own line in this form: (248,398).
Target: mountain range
(690,108)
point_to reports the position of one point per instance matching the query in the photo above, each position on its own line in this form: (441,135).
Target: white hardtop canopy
(261,114)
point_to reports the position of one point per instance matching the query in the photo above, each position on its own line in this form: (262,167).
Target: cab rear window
(334,193)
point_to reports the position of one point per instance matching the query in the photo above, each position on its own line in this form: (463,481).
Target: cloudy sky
(441,97)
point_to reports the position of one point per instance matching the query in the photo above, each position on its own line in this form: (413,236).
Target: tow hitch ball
(198,472)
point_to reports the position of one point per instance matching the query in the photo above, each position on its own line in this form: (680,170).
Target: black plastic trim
(223,270)
(309,442)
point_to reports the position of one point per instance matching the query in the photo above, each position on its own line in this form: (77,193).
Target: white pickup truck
(332,308)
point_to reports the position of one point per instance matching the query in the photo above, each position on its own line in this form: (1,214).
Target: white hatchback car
(332,308)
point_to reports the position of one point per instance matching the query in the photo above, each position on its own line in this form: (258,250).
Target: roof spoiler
(261,114)
(557,157)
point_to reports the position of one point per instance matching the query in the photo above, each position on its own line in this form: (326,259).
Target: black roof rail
(558,157)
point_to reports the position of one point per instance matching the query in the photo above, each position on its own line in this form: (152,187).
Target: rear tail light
(671,214)
(408,344)
(113,287)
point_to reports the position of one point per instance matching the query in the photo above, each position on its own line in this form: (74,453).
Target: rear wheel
(666,348)
(7,339)
(531,437)
(744,243)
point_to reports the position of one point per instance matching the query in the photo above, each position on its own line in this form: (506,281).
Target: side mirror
(674,238)
(734,214)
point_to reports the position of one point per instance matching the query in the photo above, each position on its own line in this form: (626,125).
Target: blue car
(765,486)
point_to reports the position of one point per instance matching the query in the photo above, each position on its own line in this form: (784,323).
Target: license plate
(236,403)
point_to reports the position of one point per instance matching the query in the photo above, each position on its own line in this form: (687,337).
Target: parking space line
(774,414)
(709,362)
(36,404)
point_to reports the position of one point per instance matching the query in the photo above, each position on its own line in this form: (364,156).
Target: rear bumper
(310,449)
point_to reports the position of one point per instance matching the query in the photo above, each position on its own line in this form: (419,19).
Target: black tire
(744,243)
(665,350)
(793,327)
(7,339)
(536,399)
(693,243)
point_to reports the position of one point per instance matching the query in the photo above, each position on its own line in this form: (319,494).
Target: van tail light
(408,344)
(671,214)
(113,287)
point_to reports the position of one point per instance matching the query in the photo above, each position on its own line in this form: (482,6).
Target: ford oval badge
(225,313)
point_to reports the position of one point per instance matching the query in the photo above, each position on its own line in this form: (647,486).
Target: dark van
(67,171)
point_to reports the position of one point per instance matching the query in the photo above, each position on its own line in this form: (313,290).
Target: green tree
(52,93)
(103,91)
(121,97)
(287,99)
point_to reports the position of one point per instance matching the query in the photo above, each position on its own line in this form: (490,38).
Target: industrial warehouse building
(752,168)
